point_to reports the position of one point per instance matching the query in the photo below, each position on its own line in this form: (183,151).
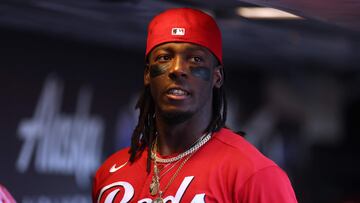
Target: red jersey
(225,169)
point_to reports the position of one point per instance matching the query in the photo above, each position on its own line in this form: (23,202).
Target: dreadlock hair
(144,133)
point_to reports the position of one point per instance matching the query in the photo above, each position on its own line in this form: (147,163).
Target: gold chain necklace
(199,143)
(155,183)
(155,186)
(167,170)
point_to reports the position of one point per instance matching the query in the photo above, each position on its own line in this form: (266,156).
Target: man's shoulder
(240,151)
(234,141)
(229,137)
(119,156)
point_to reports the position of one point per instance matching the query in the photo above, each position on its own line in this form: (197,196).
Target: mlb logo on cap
(178,31)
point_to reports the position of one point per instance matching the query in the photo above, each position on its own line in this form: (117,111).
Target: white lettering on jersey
(145,200)
(111,196)
(180,192)
(129,193)
(199,198)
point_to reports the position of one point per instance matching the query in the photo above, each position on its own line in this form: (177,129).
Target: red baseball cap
(185,25)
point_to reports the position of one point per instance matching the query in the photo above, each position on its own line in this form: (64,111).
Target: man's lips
(177,93)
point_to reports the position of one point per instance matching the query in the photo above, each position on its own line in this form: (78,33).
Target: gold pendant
(158,200)
(154,187)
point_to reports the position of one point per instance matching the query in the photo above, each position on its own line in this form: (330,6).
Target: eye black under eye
(201,72)
(157,69)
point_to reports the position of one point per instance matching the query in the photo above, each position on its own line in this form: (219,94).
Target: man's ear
(147,75)
(218,76)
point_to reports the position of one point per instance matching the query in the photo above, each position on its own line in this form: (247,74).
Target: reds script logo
(129,193)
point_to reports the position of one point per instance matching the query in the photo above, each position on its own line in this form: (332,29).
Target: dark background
(292,85)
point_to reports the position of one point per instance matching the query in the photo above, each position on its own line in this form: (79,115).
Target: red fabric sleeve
(268,185)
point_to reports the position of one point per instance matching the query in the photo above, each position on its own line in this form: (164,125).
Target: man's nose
(179,68)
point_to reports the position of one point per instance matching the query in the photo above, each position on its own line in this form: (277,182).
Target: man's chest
(188,185)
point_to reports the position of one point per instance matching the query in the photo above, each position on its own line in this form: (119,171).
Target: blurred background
(71,71)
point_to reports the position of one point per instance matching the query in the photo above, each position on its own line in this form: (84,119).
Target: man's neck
(176,138)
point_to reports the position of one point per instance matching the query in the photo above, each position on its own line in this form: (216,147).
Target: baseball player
(181,150)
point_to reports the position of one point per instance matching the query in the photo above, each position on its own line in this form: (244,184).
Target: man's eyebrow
(170,49)
(162,49)
(196,49)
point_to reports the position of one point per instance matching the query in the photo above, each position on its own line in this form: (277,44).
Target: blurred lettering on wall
(60,143)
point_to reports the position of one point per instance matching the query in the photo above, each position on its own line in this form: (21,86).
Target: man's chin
(176,117)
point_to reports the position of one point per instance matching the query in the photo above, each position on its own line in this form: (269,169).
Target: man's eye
(163,58)
(196,59)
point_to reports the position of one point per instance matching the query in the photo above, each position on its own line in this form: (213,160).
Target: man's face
(181,78)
